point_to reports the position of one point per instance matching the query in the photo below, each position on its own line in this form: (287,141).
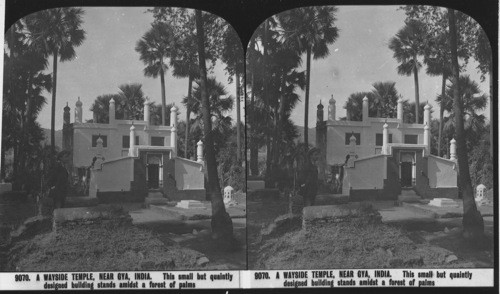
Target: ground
(154,241)
(407,237)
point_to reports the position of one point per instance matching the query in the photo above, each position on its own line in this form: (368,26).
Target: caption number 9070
(262,276)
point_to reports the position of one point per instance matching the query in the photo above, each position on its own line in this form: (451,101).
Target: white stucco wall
(441,173)
(84,152)
(368,173)
(188,174)
(337,149)
(114,176)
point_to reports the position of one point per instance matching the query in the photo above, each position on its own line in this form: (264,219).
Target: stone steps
(409,196)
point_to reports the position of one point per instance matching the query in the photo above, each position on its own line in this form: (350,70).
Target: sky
(361,57)
(107,59)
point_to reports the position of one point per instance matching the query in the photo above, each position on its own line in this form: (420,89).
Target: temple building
(126,159)
(378,158)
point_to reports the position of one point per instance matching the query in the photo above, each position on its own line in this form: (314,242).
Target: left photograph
(122,142)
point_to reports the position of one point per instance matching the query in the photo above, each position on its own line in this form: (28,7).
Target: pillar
(173,141)
(400,109)
(319,113)
(427,114)
(132,141)
(453,150)
(199,151)
(426,138)
(331,109)
(173,116)
(66,115)
(112,111)
(385,138)
(146,111)
(365,108)
(78,111)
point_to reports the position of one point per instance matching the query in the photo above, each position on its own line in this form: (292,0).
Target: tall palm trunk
(254,149)
(53,111)
(163,107)
(417,96)
(238,118)
(473,225)
(222,226)
(265,97)
(188,113)
(441,114)
(306,110)
(491,109)
(279,122)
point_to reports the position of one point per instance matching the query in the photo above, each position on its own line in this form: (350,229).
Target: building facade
(377,158)
(125,159)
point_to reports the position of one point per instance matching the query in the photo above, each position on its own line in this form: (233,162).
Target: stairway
(155,197)
(409,195)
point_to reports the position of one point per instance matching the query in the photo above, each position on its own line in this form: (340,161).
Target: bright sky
(107,59)
(358,58)
(361,57)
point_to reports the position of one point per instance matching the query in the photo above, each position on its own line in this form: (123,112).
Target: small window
(104,140)
(157,141)
(348,138)
(126,141)
(411,139)
(379,139)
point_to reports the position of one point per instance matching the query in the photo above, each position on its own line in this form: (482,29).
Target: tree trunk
(222,226)
(491,108)
(254,149)
(163,107)
(306,109)
(53,113)
(417,97)
(188,113)
(268,179)
(472,221)
(441,113)
(238,119)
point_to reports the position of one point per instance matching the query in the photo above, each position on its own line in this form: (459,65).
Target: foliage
(55,32)
(24,84)
(382,102)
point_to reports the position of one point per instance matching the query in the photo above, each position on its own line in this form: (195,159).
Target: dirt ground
(153,242)
(415,242)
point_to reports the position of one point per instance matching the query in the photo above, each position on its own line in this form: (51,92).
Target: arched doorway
(154,170)
(407,168)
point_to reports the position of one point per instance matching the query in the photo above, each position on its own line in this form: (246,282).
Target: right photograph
(369,139)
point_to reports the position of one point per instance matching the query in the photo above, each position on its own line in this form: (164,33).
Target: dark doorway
(153,176)
(406,176)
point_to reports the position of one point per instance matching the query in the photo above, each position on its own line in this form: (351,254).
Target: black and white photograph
(252,144)
(369,139)
(122,141)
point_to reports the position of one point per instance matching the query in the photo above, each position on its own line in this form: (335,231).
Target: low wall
(188,174)
(115,175)
(85,216)
(441,172)
(317,216)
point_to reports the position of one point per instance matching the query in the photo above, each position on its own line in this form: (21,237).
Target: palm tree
(232,56)
(154,47)
(408,44)
(56,32)
(310,30)
(24,84)
(222,226)
(220,105)
(132,101)
(473,224)
(472,103)
(385,99)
